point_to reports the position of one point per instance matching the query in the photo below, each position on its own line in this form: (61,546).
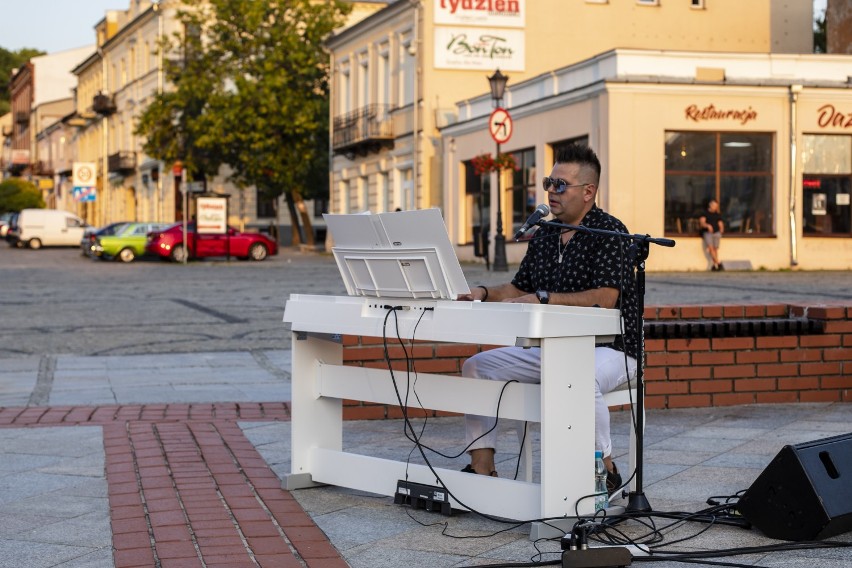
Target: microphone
(541,211)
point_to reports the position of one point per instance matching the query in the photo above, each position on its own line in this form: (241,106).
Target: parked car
(92,233)
(46,227)
(168,244)
(126,243)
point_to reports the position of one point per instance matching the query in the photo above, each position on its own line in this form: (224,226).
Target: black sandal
(469,469)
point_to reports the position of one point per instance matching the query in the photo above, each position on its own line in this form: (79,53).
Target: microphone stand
(638,252)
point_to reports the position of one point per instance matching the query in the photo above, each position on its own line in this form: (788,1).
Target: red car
(168,244)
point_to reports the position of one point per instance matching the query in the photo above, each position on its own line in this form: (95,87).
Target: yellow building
(767,135)
(116,83)
(402,70)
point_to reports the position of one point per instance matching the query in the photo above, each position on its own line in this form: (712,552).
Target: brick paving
(187,489)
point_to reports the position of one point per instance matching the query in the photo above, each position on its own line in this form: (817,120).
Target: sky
(57,25)
(52,25)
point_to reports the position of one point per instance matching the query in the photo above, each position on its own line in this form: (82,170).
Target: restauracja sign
(472,48)
(710,112)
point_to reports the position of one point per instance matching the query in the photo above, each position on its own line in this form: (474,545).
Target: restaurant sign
(710,112)
(500,13)
(827,115)
(479,48)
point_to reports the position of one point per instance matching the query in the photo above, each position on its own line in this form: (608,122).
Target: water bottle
(601,493)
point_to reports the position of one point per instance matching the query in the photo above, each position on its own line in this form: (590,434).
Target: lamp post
(498,86)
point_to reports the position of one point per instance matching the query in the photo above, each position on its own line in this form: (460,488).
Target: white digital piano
(563,403)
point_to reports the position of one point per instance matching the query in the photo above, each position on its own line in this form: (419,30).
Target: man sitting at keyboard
(567,268)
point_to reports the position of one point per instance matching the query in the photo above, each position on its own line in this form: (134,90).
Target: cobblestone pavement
(144,421)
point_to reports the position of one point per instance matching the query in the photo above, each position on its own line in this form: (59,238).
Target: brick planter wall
(707,356)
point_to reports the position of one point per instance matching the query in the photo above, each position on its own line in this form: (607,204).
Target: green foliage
(10,60)
(17,194)
(252,95)
(820,44)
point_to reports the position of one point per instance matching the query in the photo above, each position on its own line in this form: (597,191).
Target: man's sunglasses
(559,185)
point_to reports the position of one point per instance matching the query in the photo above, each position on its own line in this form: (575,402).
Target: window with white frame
(363,79)
(648,2)
(697,4)
(406,71)
(383,75)
(826,185)
(344,90)
(383,188)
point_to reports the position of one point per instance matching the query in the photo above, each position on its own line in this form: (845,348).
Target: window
(523,188)
(406,72)
(826,185)
(344,95)
(265,206)
(320,206)
(557,146)
(477,190)
(363,80)
(733,168)
(697,4)
(648,2)
(383,76)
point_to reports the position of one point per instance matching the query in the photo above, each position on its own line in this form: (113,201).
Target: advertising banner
(493,13)
(212,215)
(479,48)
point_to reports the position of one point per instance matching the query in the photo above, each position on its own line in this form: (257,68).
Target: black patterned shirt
(588,262)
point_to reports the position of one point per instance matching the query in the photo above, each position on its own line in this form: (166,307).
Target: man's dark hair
(579,154)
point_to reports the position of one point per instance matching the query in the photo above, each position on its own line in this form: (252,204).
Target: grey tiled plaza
(216,336)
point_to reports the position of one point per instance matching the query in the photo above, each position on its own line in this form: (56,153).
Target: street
(54,301)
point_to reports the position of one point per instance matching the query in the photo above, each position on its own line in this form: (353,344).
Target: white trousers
(524,365)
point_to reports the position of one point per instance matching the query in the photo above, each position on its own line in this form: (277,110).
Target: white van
(46,227)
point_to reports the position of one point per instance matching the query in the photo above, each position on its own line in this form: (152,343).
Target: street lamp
(498,86)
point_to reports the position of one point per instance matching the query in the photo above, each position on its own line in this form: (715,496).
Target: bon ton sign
(480,34)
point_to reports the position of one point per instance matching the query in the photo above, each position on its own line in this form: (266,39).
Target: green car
(126,244)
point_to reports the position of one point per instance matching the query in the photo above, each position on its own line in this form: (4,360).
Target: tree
(820,44)
(252,95)
(17,194)
(9,61)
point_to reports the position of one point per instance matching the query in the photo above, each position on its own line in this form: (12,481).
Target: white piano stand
(563,403)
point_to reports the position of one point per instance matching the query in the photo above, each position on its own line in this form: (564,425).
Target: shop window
(522,191)
(477,190)
(826,185)
(556,147)
(736,169)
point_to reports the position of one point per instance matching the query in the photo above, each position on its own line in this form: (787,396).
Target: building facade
(767,135)
(40,95)
(115,84)
(397,75)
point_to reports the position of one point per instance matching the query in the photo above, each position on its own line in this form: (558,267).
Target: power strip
(604,557)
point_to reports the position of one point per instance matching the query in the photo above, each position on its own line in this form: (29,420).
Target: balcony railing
(368,129)
(41,168)
(103,104)
(121,162)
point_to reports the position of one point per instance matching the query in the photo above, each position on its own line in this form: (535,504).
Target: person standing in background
(712,228)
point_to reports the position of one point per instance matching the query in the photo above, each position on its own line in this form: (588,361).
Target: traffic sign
(500,125)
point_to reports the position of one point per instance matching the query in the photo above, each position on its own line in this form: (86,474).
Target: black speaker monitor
(805,493)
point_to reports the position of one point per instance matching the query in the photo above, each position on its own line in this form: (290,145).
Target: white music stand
(404,254)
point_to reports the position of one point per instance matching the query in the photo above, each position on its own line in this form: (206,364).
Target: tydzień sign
(492,13)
